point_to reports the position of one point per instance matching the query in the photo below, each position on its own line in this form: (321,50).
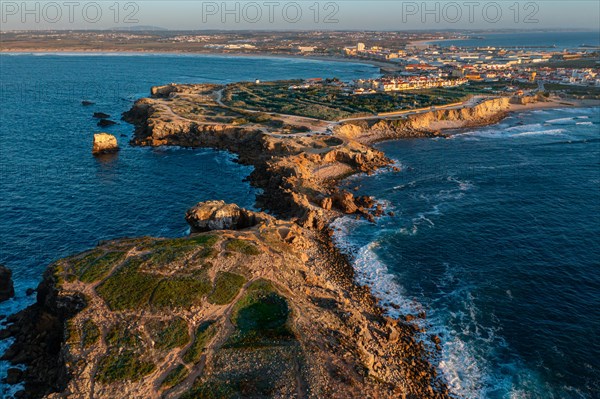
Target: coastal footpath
(250,304)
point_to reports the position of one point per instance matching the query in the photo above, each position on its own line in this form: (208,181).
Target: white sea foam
(584,123)
(540,132)
(467,345)
(560,120)
(370,271)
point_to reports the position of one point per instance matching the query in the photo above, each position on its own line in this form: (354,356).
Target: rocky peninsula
(250,304)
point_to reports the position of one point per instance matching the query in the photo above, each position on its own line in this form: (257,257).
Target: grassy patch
(211,390)
(90,333)
(128,287)
(100,267)
(164,252)
(227,286)
(242,246)
(181,291)
(86,335)
(124,366)
(175,376)
(122,337)
(204,333)
(122,363)
(260,316)
(169,334)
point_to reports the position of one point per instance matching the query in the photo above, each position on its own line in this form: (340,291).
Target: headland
(251,304)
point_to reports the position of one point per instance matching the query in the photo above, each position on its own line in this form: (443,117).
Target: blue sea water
(56,199)
(544,40)
(496,235)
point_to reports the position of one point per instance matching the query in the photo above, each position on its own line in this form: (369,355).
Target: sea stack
(7,290)
(104,143)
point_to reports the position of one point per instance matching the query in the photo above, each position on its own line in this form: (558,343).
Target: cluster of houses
(459,65)
(391,84)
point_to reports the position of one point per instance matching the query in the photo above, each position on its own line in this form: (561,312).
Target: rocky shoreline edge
(358,350)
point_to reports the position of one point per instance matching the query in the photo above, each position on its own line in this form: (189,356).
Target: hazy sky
(267,14)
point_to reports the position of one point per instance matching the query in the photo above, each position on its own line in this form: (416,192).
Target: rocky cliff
(425,124)
(267,311)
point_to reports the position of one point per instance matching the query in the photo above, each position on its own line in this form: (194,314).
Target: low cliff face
(268,311)
(424,124)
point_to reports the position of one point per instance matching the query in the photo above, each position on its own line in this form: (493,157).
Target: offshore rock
(105,123)
(105,143)
(101,115)
(217,215)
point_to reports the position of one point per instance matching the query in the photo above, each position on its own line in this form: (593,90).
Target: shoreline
(326,58)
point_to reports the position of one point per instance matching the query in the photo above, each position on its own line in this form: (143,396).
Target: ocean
(496,236)
(57,199)
(542,40)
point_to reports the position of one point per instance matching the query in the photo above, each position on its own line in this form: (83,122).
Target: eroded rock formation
(217,215)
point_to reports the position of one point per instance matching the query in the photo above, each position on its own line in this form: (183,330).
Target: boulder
(87,103)
(7,290)
(14,376)
(105,143)
(326,203)
(344,200)
(217,215)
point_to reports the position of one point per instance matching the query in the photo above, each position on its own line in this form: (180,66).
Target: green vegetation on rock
(99,268)
(175,376)
(242,246)
(122,366)
(90,333)
(204,333)
(85,335)
(128,287)
(227,286)
(181,291)
(169,334)
(168,251)
(260,316)
(122,337)
(122,362)
(211,390)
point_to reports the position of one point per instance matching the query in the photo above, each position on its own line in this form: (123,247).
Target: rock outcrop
(7,290)
(104,143)
(217,215)
(267,311)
